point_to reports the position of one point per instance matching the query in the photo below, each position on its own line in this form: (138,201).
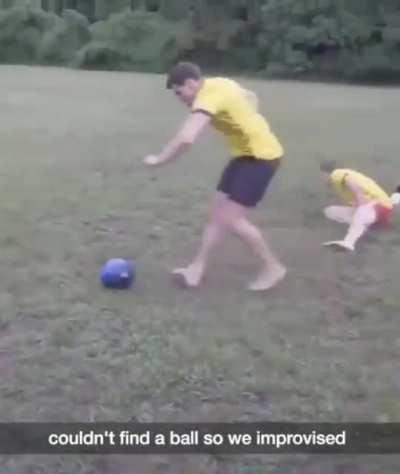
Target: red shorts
(383,214)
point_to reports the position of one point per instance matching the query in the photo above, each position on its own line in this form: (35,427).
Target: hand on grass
(151,160)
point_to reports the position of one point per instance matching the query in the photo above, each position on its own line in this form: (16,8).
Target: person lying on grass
(366,203)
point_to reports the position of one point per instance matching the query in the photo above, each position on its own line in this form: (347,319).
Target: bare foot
(189,277)
(268,279)
(339,244)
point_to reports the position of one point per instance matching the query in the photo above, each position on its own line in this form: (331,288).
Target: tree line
(352,40)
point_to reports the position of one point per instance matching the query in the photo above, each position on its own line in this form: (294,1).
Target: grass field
(323,346)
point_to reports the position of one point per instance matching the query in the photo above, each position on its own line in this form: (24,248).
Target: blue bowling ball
(117,273)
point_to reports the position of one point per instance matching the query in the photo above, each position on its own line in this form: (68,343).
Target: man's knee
(217,207)
(366,215)
(341,214)
(330,213)
(226,212)
(223,219)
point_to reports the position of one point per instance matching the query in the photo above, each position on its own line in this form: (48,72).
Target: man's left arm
(356,190)
(185,137)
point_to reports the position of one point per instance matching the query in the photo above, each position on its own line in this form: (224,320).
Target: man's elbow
(187,139)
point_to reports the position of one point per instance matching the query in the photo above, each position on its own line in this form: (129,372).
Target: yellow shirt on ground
(234,115)
(371,190)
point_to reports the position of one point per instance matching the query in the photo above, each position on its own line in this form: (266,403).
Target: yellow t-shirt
(234,115)
(370,189)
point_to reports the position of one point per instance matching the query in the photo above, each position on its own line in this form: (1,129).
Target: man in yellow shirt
(256,155)
(366,203)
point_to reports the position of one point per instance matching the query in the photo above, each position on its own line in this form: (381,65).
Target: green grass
(324,346)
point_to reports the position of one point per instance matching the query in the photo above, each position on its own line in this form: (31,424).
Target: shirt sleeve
(209,104)
(339,176)
(343,180)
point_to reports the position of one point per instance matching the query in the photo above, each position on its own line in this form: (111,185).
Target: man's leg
(341,214)
(272,270)
(244,181)
(212,235)
(229,215)
(363,217)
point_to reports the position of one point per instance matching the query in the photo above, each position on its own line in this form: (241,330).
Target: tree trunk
(254,10)
(87,8)
(138,4)
(174,9)
(36,3)
(101,9)
(200,14)
(70,4)
(55,6)
(372,10)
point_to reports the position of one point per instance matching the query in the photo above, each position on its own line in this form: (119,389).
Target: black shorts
(245,179)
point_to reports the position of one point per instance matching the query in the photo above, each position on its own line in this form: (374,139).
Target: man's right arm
(184,138)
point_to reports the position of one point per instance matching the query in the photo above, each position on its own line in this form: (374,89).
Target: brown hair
(181,72)
(328,166)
